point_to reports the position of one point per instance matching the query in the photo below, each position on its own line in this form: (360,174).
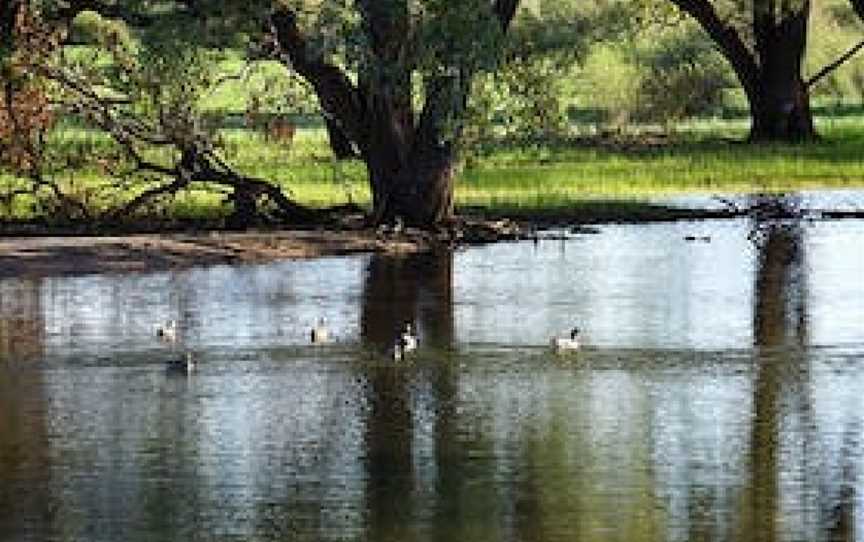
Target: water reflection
(781,287)
(720,395)
(22,328)
(415,288)
(779,391)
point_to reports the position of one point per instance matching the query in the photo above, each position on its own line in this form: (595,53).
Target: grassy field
(520,177)
(697,159)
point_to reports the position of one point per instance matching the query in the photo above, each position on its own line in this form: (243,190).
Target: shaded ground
(36,252)
(41,256)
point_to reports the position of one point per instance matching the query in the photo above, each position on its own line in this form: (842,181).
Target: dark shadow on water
(414,288)
(778,299)
(24,424)
(783,388)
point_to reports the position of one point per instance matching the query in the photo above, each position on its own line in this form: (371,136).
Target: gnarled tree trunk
(410,156)
(412,184)
(419,189)
(422,191)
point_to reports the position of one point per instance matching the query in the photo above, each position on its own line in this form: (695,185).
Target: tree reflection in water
(417,289)
(783,381)
(24,441)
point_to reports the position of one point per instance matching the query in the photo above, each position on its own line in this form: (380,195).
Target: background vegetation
(591,101)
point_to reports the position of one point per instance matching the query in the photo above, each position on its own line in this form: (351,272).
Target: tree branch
(141,199)
(339,98)
(727,39)
(834,65)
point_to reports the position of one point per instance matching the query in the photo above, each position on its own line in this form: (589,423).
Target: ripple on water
(718,394)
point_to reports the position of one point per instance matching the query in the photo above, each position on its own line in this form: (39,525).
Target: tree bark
(422,193)
(781,108)
(781,111)
(340,144)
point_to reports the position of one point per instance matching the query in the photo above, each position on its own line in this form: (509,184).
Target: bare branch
(834,65)
(147,196)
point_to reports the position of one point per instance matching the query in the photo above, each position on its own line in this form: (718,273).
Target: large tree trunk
(386,147)
(410,160)
(770,71)
(422,192)
(781,112)
(779,101)
(418,191)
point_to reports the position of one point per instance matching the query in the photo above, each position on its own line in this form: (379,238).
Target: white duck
(319,333)
(167,331)
(566,344)
(405,343)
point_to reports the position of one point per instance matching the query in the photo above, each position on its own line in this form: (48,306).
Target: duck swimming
(167,331)
(566,344)
(408,338)
(405,343)
(319,333)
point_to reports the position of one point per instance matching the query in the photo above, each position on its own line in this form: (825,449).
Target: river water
(718,394)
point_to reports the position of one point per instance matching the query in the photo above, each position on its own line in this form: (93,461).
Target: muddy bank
(42,255)
(32,250)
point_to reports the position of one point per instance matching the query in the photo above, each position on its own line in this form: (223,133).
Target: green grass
(695,160)
(515,178)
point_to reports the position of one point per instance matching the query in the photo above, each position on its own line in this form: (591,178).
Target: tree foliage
(415,61)
(142,101)
(384,78)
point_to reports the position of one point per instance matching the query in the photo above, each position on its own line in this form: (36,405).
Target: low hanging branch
(198,164)
(198,161)
(185,155)
(834,65)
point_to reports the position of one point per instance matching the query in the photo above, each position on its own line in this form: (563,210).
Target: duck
(185,364)
(566,344)
(405,343)
(319,333)
(167,331)
(408,339)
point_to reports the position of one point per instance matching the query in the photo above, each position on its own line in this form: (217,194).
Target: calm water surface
(720,395)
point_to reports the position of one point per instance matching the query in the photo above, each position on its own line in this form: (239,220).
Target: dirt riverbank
(41,256)
(27,250)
